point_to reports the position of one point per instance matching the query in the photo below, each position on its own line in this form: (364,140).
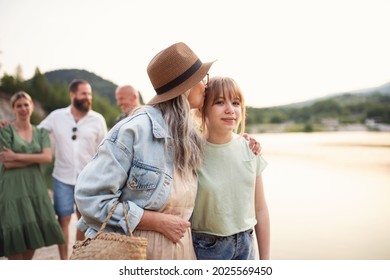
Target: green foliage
(55,95)
(9,84)
(308,127)
(51,90)
(103,106)
(347,109)
(141,100)
(35,119)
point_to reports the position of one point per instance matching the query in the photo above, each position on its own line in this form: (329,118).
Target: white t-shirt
(72,155)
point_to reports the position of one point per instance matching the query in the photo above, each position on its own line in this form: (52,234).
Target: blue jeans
(238,246)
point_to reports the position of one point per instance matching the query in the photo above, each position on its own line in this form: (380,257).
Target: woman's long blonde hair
(186,139)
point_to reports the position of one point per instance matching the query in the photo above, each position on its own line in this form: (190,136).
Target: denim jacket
(133,163)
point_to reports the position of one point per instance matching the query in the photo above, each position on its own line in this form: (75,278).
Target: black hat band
(180,79)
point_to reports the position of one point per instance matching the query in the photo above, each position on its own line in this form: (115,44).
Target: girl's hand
(253,144)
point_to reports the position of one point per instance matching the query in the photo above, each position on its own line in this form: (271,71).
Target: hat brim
(183,87)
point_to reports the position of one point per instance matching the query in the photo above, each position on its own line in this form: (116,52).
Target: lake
(328,195)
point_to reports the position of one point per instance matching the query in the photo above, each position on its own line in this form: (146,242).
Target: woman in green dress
(27,218)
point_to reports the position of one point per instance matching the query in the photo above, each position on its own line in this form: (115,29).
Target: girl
(230,201)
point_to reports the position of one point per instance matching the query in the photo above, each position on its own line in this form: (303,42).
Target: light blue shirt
(134,163)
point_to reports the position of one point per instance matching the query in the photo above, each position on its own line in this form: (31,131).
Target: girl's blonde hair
(229,89)
(18,95)
(186,140)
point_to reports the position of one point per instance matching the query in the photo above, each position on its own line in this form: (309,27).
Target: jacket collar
(159,127)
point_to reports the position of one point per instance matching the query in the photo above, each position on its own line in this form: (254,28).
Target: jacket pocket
(143,177)
(147,186)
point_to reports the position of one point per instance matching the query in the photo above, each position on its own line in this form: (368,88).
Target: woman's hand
(175,227)
(171,226)
(7,155)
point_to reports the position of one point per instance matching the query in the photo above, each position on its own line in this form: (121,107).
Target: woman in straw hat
(149,161)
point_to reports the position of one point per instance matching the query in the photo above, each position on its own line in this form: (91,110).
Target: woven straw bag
(111,246)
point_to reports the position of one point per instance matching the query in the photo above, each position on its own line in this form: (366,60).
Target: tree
(8,84)
(19,73)
(40,87)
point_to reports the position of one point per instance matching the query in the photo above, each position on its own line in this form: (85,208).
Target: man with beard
(77,131)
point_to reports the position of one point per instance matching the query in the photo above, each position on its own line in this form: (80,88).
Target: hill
(358,110)
(383,89)
(346,98)
(106,88)
(357,107)
(100,86)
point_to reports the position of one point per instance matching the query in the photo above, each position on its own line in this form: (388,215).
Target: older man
(127,99)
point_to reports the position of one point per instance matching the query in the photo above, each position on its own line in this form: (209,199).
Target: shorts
(63,196)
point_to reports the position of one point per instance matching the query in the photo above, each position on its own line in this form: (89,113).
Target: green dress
(27,218)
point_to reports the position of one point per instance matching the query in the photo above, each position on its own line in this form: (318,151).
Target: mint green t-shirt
(225,201)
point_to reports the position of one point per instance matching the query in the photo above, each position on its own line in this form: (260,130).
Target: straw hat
(175,70)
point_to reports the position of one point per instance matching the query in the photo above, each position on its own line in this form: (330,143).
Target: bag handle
(109,216)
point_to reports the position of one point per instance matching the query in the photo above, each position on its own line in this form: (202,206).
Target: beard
(83,105)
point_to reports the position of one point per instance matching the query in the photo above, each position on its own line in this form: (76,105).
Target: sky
(278,51)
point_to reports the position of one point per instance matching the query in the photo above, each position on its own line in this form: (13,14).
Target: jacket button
(133,183)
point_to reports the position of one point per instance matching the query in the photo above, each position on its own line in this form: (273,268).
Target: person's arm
(4,123)
(14,164)
(171,226)
(5,142)
(11,159)
(17,160)
(253,144)
(262,227)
